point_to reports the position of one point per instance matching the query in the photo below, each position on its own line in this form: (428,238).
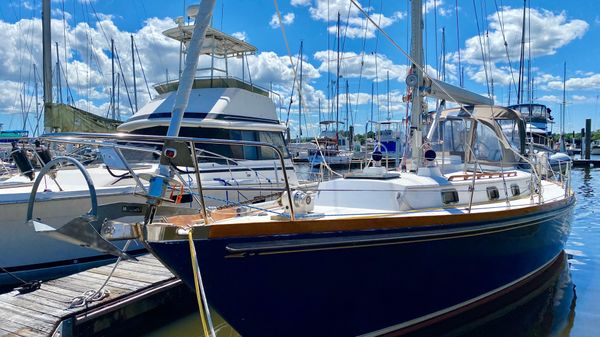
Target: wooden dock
(136,288)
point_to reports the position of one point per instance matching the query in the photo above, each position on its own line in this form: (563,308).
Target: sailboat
(376,252)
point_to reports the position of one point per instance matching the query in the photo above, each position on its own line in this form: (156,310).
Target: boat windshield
(471,139)
(510,129)
(538,112)
(486,145)
(453,133)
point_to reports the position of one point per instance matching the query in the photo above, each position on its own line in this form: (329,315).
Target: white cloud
(501,75)
(240,35)
(300,2)
(351,64)
(549,32)
(591,82)
(430,5)
(287,19)
(357,25)
(88,63)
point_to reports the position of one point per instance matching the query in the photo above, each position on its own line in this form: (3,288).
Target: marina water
(566,304)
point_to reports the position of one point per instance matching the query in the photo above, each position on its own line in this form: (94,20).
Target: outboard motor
(19,156)
(42,152)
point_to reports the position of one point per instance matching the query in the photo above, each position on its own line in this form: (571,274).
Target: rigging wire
(530,79)
(510,67)
(124,81)
(435,29)
(76,68)
(460,68)
(362,62)
(64,20)
(483,59)
(142,68)
(90,3)
(487,43)
(287,119)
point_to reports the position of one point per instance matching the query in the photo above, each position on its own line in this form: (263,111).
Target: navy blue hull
(347,284)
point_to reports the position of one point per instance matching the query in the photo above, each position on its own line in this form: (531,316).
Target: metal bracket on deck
(119,230)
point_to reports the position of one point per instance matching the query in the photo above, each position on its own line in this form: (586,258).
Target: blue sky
(560,31)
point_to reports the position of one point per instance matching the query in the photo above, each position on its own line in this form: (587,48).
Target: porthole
(449,196)
(515,190)
(493,193)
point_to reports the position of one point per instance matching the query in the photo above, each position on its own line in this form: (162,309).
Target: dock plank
(143,263)
(118,281)
(32,303)
(147,269)
(9,328)
(150,278)
(11,310)
(22,319)
(99,279)
(38,313)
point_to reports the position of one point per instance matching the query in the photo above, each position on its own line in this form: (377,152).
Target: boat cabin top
(481,135)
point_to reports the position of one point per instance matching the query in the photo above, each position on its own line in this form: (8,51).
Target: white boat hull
(30,255)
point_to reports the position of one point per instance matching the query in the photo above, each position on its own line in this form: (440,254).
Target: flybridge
(216,42)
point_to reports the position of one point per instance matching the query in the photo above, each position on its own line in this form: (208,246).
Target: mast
(112,59)
(58,80)
(337,85)
(300,96)
(47,54)
(37,111)
(443,54)
(134,82)
(563,110)
(347,107)
(389,116)
(522,59)
(372,102)
(416,53)
(118,97)
(319,109)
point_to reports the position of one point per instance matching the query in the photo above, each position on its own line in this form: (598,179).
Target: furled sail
(66,118)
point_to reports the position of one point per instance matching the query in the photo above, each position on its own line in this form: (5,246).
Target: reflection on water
(586,188)
(563,303)
(547,310)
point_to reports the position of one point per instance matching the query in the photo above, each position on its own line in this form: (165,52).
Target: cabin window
(449,197)
(510,129)
(230,151)
(273,138)
(515,190)
(486,145)
(492,192)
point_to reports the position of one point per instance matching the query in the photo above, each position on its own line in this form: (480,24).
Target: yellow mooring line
(200,296)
